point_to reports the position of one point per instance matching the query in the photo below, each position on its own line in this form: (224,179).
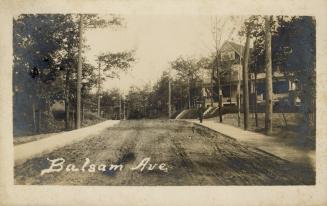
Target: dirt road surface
(187,154)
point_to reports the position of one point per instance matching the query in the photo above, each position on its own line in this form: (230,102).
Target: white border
(124,195)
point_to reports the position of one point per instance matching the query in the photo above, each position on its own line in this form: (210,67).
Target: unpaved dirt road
(188,155)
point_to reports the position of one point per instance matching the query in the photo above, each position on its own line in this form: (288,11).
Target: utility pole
(79,74)
(268,64)
(99,88)
(246,80)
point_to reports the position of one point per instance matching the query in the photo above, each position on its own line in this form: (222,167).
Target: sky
(157,40)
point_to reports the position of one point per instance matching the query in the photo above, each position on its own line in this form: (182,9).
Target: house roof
(239,49)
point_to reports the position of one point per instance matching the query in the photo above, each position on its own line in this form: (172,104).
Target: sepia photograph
(121,99)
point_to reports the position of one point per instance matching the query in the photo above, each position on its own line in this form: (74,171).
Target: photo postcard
(161,99)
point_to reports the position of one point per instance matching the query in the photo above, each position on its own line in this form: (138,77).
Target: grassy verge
(89,119)
(290,127)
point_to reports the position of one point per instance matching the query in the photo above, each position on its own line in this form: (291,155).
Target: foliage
(45,50)
(293,51)
(186,68)
(114,63)
(137,102)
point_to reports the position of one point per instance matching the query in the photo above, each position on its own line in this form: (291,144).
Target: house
(231,80)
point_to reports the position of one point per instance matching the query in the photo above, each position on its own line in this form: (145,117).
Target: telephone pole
(268,65)
(79,74)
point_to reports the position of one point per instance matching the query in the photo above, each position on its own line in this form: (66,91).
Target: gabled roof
(239,49)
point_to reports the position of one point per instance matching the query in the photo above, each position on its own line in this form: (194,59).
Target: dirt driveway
(158,152)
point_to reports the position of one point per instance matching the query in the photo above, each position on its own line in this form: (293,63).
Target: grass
(89,119)
(290,128)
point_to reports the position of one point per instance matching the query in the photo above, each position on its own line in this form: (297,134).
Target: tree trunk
(73,120)
(255,99)
(246,82)
(79,74)
(120,110)
(34,116)
(268,64)
(67,118)
(230,84)
(239,95)
(220,101)
(67,99)
(169,98)
(124,110)
(82,112)
(99,88)
(211,87)
(309,102)
(182,99)
(189,93)
(39,117)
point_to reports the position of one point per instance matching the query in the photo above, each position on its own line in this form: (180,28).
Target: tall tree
(294,45)
(79,74)
(217,35)
(40,42)
(220,28)
(45,62)
(110,65)
(252,28)
(268,66)
(246,80)
(188,70)
(88,21)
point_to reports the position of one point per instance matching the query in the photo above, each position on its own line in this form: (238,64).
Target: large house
(231,57)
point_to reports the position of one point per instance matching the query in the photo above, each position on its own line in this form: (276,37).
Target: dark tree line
(45,49)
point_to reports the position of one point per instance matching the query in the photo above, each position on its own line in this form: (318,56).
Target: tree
(88,21)
(110,100)
(40,43)
(188,71)
(219,28)
(217,33)
(206,63)
(252,28)
(159,95)
(111,64)
(268,66)
(138,102)
(45,62)
(294,43)
(293,52)
(246,80)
